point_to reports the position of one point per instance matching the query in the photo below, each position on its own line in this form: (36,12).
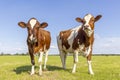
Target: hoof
(73,72)
(31,73)
(45,70)
(91,73)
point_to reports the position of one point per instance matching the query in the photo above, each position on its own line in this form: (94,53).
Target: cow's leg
(63,56)
(32,60)
(89,63)
(33,64)
(46,58)
(87,51)
(40,63)
(75,57)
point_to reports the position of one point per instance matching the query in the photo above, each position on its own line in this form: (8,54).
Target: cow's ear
(22,24)
(79,20)
(97,17)
(43,25)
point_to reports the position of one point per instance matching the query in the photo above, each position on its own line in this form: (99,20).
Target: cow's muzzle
(33,40)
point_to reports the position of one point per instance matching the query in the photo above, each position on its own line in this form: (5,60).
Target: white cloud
(107,45)
(13,48)
(53,47)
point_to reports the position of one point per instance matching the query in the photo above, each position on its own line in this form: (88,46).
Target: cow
(78,40)
(38,42)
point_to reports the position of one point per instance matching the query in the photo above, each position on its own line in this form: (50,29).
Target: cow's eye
(84,21)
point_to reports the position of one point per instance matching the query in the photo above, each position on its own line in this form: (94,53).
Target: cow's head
(32,26)
(88,23)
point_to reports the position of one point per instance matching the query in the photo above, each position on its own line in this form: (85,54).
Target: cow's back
(65,39)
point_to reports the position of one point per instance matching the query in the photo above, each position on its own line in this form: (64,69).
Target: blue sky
(60,15)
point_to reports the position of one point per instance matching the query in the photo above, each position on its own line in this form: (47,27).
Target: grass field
(18,68)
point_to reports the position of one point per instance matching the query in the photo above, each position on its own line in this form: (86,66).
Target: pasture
(18,68)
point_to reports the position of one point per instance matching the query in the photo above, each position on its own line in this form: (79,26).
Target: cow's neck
(84,39)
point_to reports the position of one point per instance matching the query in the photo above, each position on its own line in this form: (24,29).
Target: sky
(60,15)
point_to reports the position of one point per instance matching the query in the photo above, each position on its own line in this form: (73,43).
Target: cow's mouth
(88,32)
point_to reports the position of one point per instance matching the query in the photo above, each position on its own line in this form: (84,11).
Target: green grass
(18,68)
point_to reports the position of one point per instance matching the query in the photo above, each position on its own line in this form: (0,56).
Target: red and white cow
(38,41)
(78,40)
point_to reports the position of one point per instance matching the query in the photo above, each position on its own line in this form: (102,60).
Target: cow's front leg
(33,63)
(89,63)
(32,70)
(90,67)
(40,63)
(75,56)
(87,51)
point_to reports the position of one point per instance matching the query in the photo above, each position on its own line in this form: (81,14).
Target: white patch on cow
(90,68)
(59,42)
(32,70)
(70,39)
(40,57)
(40,62)
(81,47)
(40,70)
(33,22)
(87,19)
(76,28)
(63,56)
(31,37)
(46,58)
(88,31)
(87,51)
(75,56)
(74,68)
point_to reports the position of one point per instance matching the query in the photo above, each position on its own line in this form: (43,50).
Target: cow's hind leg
(40,63)
(45,61)
(75,57)
(63,56)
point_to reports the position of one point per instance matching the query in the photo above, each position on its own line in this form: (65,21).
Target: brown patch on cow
(43,41)
(89,56)
(64,36)
(82,38)
(91,23)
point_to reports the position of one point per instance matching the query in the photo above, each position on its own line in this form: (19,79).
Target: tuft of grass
(18,68)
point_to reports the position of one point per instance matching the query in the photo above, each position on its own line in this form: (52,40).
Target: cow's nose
(86,27)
